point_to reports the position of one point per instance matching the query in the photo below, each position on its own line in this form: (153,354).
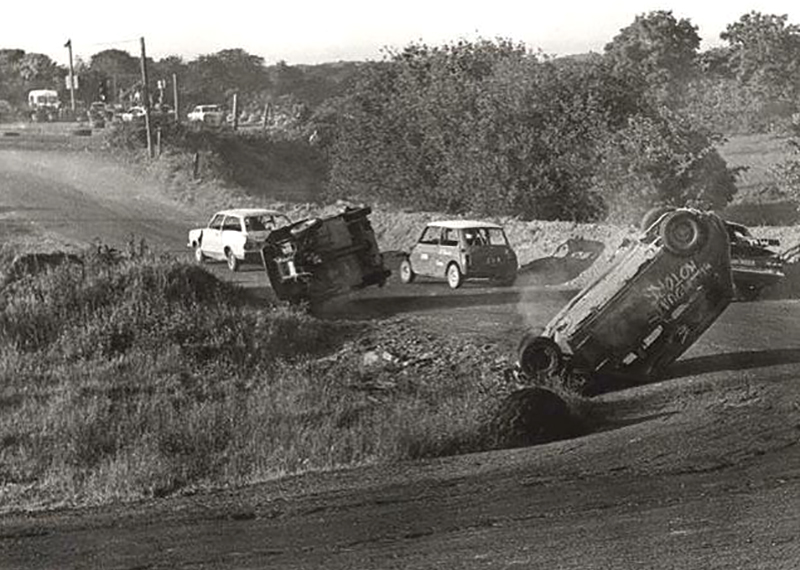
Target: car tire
(199,256)
(406,272)
(539,355)
(682,233)
(454,276)
(233,261)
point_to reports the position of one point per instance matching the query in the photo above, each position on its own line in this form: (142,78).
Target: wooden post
(175,97)
(146,102)
(71,78)
(235,111)
(265,117)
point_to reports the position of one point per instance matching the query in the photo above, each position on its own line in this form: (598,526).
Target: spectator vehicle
(133,115)
(235,236)
(643,312)
(754,261)
(210,115)
(43,105)
(457,250)
(318,258)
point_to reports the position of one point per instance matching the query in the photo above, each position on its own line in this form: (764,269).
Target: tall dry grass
(130,376)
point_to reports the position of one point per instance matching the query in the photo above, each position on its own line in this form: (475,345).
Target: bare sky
(314,31)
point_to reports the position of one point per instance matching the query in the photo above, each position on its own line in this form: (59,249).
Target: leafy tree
(661,157)
(763,47)
(20,72)
(215,77)
(659,48)
(491,129)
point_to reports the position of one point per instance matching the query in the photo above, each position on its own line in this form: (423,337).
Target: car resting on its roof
(644,311)
(318,258)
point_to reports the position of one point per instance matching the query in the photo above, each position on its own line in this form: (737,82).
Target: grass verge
(125,376)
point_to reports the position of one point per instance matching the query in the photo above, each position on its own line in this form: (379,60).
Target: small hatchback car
(461,249)
(646,310)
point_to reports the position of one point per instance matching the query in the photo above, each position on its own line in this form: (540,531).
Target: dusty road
(698,471)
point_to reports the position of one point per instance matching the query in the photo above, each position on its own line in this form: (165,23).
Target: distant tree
(21,72)
(765,51)
(115,63)
(215,77)
(659,48)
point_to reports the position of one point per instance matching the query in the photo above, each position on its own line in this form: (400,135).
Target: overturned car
(319,258)
(644,311)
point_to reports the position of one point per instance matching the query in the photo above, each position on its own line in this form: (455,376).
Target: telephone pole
(146,101)
(71,76)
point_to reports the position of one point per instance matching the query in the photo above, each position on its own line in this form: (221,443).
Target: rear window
(485,236)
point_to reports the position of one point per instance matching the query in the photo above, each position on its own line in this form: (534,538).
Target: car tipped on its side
(644,311)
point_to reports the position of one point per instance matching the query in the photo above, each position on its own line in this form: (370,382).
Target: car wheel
(406,273)
(681,233)
(199,256)
(233,262)
(539,355)
(454,277)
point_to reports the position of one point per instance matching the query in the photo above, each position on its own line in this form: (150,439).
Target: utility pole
(71,77)
(235,111)
(175,97)
(146,101)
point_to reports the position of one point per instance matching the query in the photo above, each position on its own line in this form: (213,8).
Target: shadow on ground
(569,260)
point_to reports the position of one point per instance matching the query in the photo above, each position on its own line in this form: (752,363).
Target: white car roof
(463,224)
(244,212)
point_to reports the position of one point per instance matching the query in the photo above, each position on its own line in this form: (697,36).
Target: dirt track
(698,471)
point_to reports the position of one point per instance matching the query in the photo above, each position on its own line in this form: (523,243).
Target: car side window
(232,224)
(496,237)
(449,237)
(431,235)
(216,222)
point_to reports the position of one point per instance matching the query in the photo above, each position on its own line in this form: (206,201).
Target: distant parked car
(457,250)
(755,262)
(211,115)
(235,236)
(646,310)
(133,115)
